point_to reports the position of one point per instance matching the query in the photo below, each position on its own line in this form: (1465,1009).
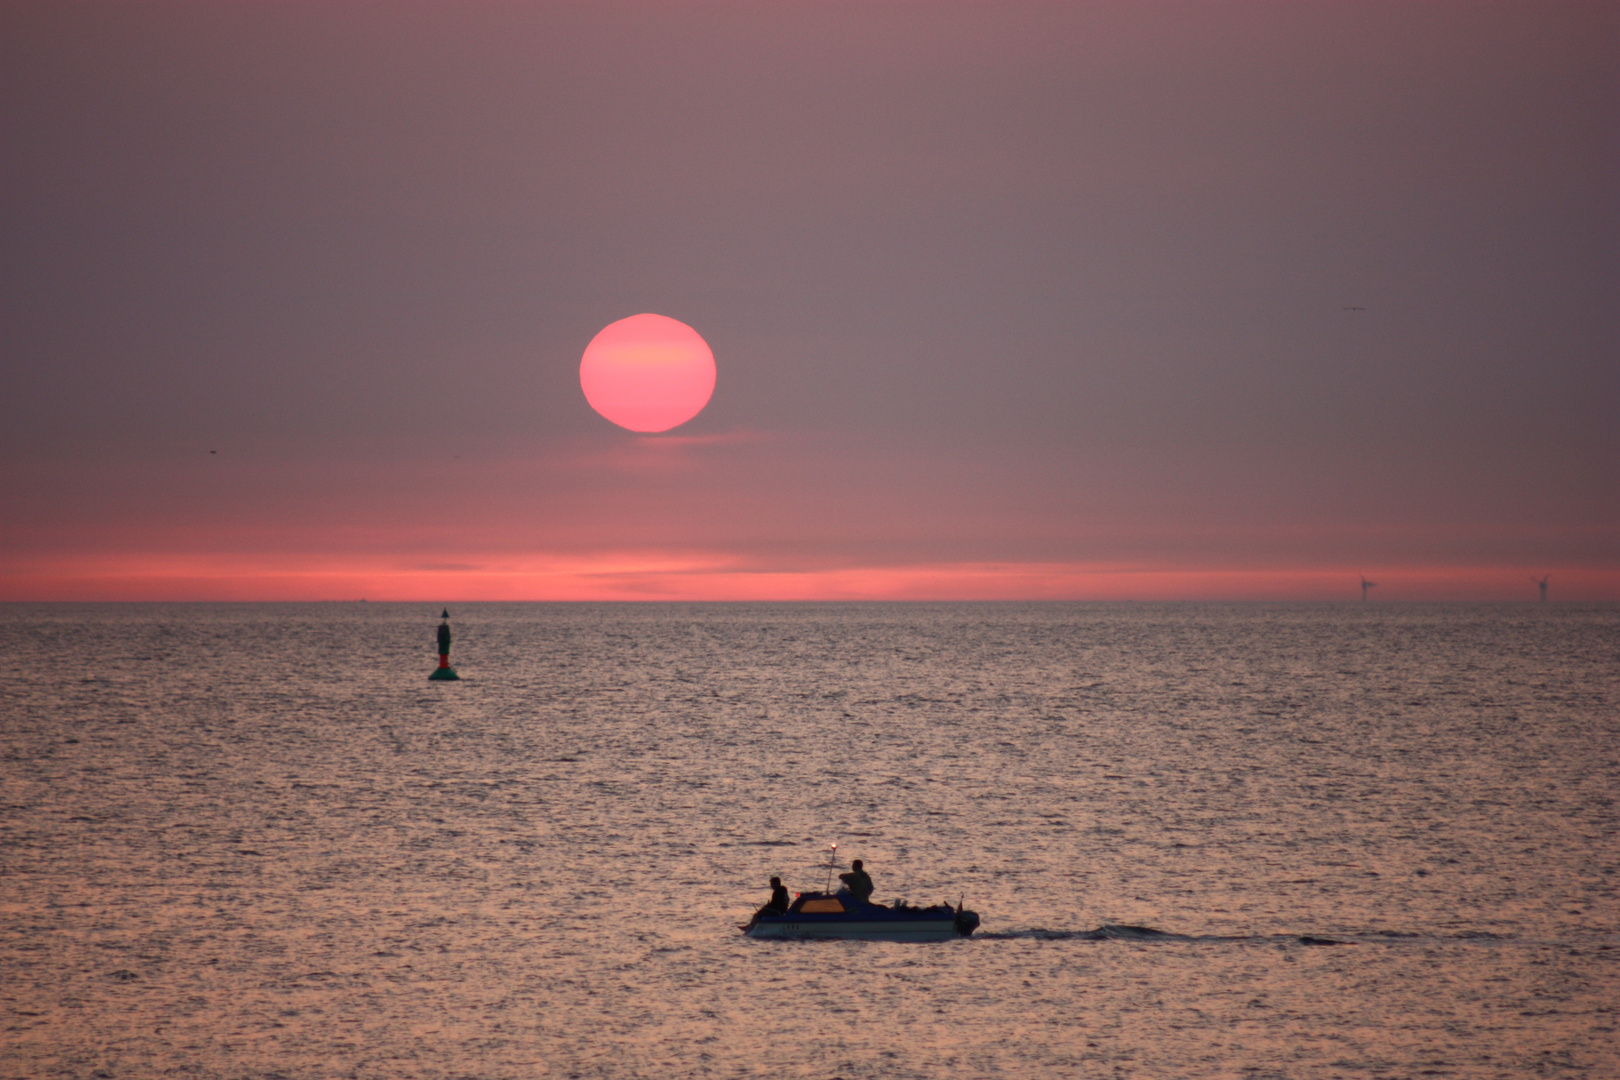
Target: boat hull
(856,929)
(841,915)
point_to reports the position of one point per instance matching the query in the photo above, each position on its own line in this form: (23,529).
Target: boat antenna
(832,856)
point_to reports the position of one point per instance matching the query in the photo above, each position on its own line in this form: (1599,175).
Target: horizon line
(720,577)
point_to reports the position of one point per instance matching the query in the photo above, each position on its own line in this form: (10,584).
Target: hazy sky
(1007,299)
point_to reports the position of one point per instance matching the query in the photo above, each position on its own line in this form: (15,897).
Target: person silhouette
(778,903)
(858,881)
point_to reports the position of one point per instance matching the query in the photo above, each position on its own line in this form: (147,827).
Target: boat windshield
(825,906)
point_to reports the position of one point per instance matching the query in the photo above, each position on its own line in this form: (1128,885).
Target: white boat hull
(858,930)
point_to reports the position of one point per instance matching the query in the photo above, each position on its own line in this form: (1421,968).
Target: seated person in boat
(859,882)
(778,903)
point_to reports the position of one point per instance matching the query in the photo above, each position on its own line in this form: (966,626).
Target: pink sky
(1012,301)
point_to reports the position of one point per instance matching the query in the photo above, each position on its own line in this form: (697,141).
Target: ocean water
(1336,840)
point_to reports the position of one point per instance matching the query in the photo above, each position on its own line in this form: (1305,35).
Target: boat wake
(1102,933)
(1110,932)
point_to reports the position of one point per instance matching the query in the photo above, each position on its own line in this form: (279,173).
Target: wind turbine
(1542,581)
(1365,585)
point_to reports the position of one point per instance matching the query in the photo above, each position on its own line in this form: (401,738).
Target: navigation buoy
(444,670)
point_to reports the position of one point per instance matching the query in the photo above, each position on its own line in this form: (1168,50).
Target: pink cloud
(724,576)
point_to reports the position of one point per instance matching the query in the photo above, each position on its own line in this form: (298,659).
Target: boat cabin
(816,904)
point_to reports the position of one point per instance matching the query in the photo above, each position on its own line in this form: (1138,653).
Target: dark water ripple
(1206,840)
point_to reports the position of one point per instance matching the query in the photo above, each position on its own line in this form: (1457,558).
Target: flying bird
(1355,309)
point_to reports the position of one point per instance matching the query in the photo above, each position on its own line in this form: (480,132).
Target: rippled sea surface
(1356,840)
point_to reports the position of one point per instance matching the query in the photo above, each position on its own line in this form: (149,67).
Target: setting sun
(647,373)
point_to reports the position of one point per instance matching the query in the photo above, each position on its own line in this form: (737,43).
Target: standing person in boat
(778,903)
(858,881)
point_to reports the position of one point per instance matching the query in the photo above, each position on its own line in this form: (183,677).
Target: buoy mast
(444,670)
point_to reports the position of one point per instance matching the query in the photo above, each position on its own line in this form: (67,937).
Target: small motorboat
(841,915)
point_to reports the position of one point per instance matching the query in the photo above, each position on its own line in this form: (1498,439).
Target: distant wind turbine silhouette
(1542,581)
(1365,585)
